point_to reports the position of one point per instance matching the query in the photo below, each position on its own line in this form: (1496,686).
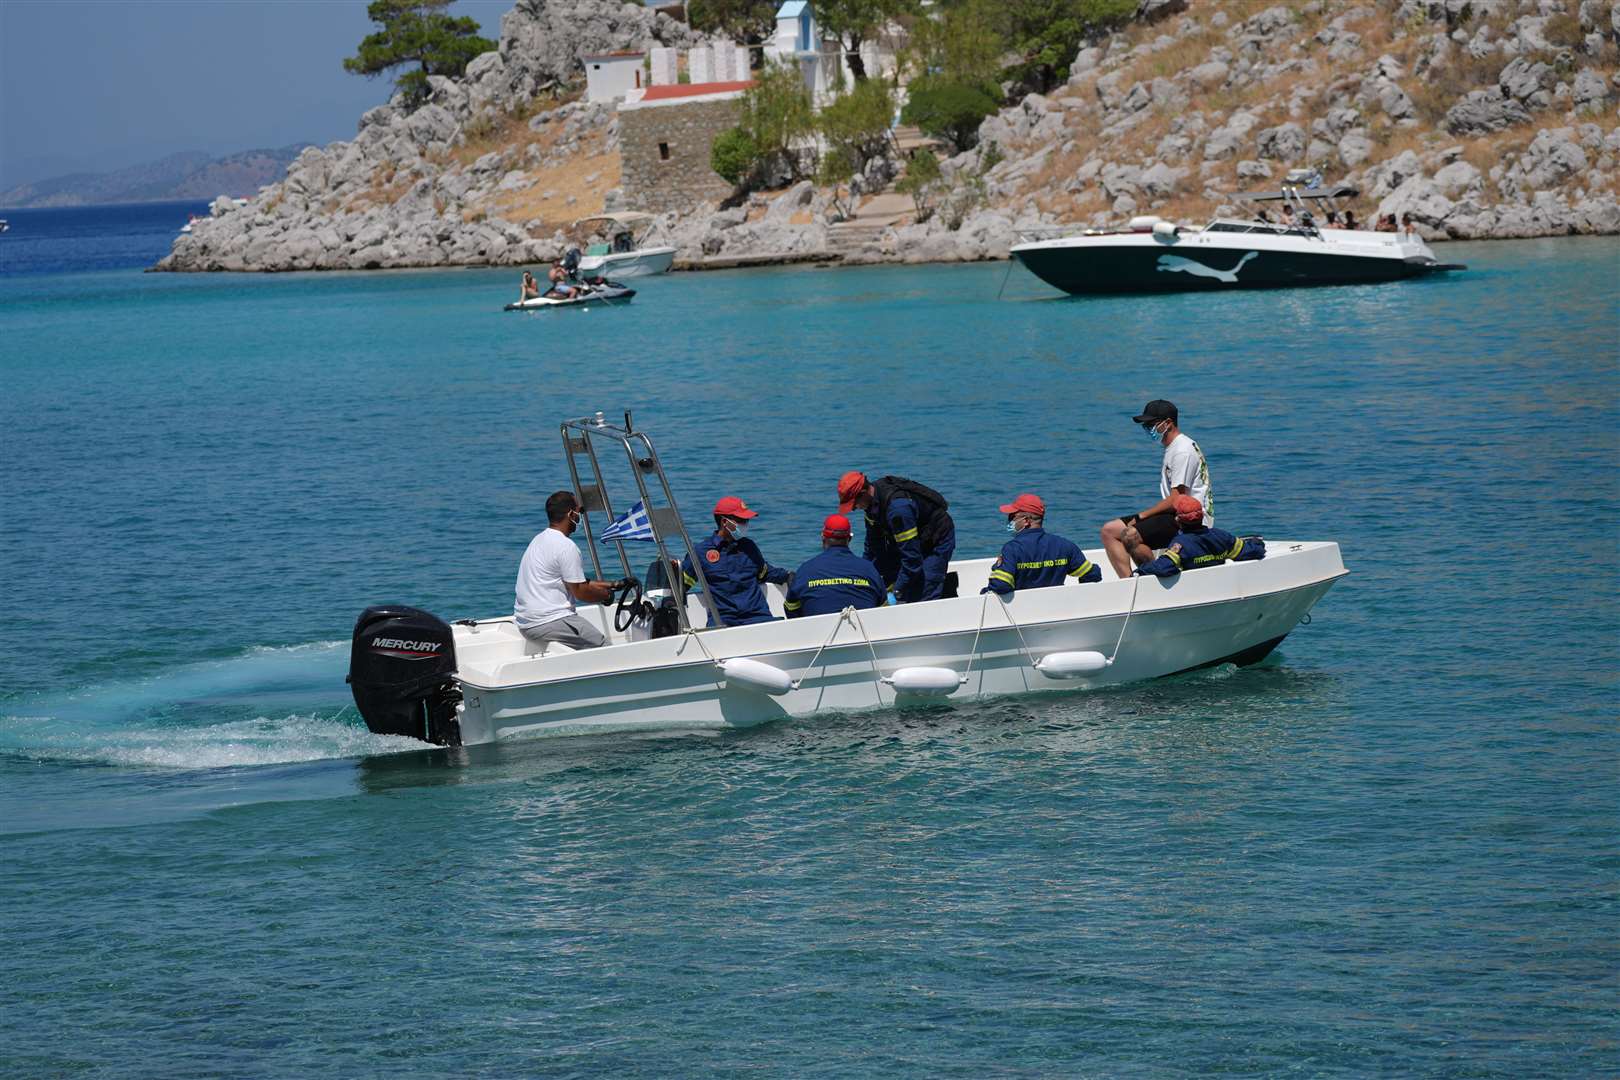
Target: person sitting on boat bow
(1197,545)
(910,535)
(733,568)
(836,579)
(1135,537)
(551,577)
(1035,558)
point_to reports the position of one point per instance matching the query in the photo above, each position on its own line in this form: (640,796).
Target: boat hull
(1143,264)
(597,298)
(645,262)
(1235,613)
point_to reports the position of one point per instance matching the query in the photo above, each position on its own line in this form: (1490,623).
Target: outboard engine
(402,669)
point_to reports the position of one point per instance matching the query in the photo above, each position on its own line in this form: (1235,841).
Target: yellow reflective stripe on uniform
(812,583)
(902,537)
(792,605)
(1237,548)
(1082,570)
(1043,564)
(1173,557)
(762,572)
(1002,575)
(690,580)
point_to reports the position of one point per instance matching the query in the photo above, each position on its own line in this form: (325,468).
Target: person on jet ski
(561,287)
(530,288)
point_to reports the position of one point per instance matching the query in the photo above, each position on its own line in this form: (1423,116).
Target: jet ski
(607,292)
(587,290)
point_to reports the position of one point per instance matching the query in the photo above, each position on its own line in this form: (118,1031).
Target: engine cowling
(402,665)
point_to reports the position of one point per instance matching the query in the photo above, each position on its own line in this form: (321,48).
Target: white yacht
(621,250)
(479,681)
(1153,255)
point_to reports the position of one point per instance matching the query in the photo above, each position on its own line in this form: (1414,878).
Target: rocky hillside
(1481,118)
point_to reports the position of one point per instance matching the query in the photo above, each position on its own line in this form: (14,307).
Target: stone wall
(665,151)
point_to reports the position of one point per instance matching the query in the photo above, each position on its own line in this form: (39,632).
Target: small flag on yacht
(630,525)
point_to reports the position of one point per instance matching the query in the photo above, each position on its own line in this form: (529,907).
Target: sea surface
(1393,849)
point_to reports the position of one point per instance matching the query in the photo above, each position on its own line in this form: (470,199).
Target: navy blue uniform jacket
(1035,559)
(1196,547)
(734,570)
(832,581)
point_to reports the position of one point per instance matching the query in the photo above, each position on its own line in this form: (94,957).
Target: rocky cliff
(1480,118)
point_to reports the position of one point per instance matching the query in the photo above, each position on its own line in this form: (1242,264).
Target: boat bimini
(479,681)
(623,251)
(1154,255)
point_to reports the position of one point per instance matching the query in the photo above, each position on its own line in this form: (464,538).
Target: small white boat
(623,251)
(1152,255)
(479,681)
(5,226)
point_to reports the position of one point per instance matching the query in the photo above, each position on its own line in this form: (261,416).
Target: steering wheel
(629,606)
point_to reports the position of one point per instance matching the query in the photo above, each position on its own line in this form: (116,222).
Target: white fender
(1165,232)
(924,681)
(1071,665)
(756,675)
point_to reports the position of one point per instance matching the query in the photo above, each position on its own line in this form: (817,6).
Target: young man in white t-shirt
(552,576)
(1133,538)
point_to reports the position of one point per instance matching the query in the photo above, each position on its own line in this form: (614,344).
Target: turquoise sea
(1390,850)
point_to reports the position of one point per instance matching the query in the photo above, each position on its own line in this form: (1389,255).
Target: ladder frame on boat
(665,520)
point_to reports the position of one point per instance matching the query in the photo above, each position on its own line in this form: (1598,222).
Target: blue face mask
(1012,526)
(1153,432)
(739,529)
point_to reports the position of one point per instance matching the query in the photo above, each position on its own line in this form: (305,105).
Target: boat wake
(267,706)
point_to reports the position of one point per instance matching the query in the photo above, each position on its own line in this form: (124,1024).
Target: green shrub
(857,124)
(922,181)
(949,110)
(777,114)
(734,156)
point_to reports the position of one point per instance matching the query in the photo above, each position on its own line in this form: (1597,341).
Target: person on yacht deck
(551,577)
(733,567)
(1134,537)
(1035,558)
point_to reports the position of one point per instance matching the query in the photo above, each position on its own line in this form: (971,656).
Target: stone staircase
(871,218)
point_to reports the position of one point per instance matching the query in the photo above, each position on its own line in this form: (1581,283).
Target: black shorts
(1157,531)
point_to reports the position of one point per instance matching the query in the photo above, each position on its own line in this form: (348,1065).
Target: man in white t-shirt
(552,576)
(1133,538)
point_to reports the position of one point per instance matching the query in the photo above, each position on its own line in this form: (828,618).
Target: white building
(610,76)
(799,41)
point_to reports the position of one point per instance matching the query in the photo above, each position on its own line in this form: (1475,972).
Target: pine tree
(417,32)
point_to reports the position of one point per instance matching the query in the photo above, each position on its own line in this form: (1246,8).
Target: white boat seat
(545,648)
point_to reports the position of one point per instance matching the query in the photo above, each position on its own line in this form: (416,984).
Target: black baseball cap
(1157,409)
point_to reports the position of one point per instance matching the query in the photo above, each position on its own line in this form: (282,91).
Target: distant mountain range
(178,176)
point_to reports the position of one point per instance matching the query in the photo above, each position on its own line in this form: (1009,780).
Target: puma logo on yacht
(1177,264)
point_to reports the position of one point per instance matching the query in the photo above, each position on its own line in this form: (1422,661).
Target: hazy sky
(99,84)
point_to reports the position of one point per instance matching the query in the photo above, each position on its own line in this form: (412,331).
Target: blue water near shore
(1389,850)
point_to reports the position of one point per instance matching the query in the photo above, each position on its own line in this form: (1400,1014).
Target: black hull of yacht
(1088,270)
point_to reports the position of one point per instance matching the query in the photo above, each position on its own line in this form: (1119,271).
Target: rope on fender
(1136,584)
(843,617)
(877,672)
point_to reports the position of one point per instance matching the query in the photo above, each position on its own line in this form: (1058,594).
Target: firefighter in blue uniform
(1196,546)
(1035,558)
(836,579)
(910,536)
(733,567)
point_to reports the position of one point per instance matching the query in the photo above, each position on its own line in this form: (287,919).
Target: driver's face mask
(1153,431)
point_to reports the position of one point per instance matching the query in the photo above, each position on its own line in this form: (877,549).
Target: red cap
(1189,511)
(836,527)
(733,507)
(850,486)
(1026,504)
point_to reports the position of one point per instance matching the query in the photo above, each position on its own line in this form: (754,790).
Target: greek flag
(630,525)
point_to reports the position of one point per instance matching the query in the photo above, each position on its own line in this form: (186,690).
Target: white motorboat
(480,681)
(1153,255)
(622,251)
